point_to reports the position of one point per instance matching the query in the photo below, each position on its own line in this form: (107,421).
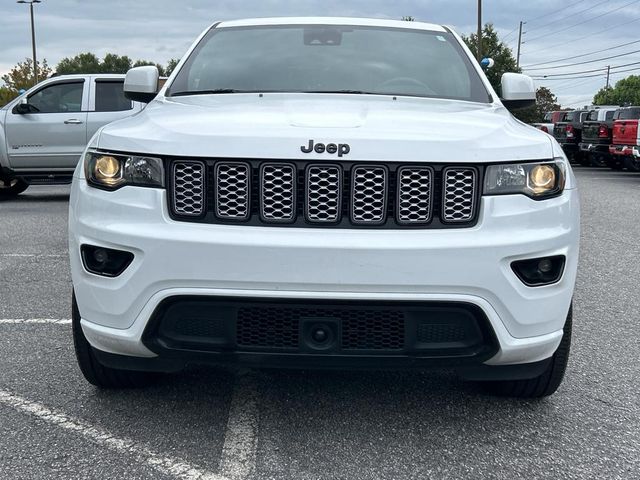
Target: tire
(93,371)
(632,164)
(545,384)
(615,164)
(11,188)
(598,160)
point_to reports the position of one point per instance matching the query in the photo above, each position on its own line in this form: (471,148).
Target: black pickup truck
(568,132)
(597,135)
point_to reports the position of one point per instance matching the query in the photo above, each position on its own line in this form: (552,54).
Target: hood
(376,128)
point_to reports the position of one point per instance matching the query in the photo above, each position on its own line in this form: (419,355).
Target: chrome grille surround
(415,195)
(278,192)
(459,188)
(232,190)
(323,184)
(189,188)
(369,195)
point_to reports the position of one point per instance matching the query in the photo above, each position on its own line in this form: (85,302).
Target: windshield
(330,59)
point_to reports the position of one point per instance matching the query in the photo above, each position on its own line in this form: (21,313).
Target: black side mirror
(23,108)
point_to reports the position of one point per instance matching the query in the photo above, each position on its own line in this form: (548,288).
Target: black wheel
(13,187)
(632,164)
(615,164)
(598,160)
(93,371)
(545,384)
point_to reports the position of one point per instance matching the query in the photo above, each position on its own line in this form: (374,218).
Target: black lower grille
(350,328)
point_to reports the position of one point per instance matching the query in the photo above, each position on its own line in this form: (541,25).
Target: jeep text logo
(332,148)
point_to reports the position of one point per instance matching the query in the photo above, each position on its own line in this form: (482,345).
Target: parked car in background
(568,132)
(549,121)
(597,135)
(625,148)
(44,131)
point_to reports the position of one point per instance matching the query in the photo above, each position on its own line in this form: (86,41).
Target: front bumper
(594,147)
(625,150)
(469,265)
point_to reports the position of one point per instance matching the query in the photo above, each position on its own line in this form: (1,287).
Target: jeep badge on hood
(332,148)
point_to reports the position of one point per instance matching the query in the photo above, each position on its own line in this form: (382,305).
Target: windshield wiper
(209,92)
(353,92)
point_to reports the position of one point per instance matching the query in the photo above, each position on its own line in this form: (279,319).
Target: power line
(583,55)
(586,76)
(585,62)
(573,14)
(587,71)
(584,21)
(504,39)
(590,35)
(554,12)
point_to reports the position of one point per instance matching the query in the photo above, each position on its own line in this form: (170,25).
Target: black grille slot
(324,193)
(332,195)
(189,188)
(267,328)
(459,194)
(415,195)
(278,192)
(441,333)
(369,195)
(232,190)
(373,330)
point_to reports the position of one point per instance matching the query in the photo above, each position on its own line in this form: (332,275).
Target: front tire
(12,187)
(544,384)
(96,373)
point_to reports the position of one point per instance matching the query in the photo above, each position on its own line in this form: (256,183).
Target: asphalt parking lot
(318,425)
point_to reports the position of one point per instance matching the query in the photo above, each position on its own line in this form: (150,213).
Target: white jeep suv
(325,193)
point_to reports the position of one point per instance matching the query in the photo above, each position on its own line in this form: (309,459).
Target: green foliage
(111,63)
(626,91)
(171,65)
(546,101)
(21,77)
(492,47)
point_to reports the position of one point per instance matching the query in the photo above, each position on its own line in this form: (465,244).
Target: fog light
(106,262)
(536,272)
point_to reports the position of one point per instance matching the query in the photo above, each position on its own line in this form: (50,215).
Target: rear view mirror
(518,91)
(141,84)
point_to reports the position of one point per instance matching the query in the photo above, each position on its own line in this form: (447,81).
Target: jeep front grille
(343,195)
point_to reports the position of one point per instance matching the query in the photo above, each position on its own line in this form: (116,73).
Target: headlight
(536,180)
(112,171)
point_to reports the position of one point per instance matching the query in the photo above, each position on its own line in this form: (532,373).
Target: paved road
(314,425)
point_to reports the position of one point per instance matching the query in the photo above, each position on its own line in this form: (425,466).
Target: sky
(577,30)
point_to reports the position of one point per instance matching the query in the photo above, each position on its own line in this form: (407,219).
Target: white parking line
(124,446)
(30,255)
(37,321)
(238,458)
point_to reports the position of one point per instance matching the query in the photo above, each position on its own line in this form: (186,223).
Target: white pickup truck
(44,131)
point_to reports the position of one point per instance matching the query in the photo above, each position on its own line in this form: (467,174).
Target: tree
(626,91)
(21,78)
(171,66)
(546,101)
(493,48)
(111,63)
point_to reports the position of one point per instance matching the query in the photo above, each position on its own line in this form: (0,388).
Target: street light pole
(479,34)
(33,37)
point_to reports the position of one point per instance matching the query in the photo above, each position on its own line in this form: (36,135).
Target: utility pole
(33,37)
(519,43)
(479,34)
(608,73)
